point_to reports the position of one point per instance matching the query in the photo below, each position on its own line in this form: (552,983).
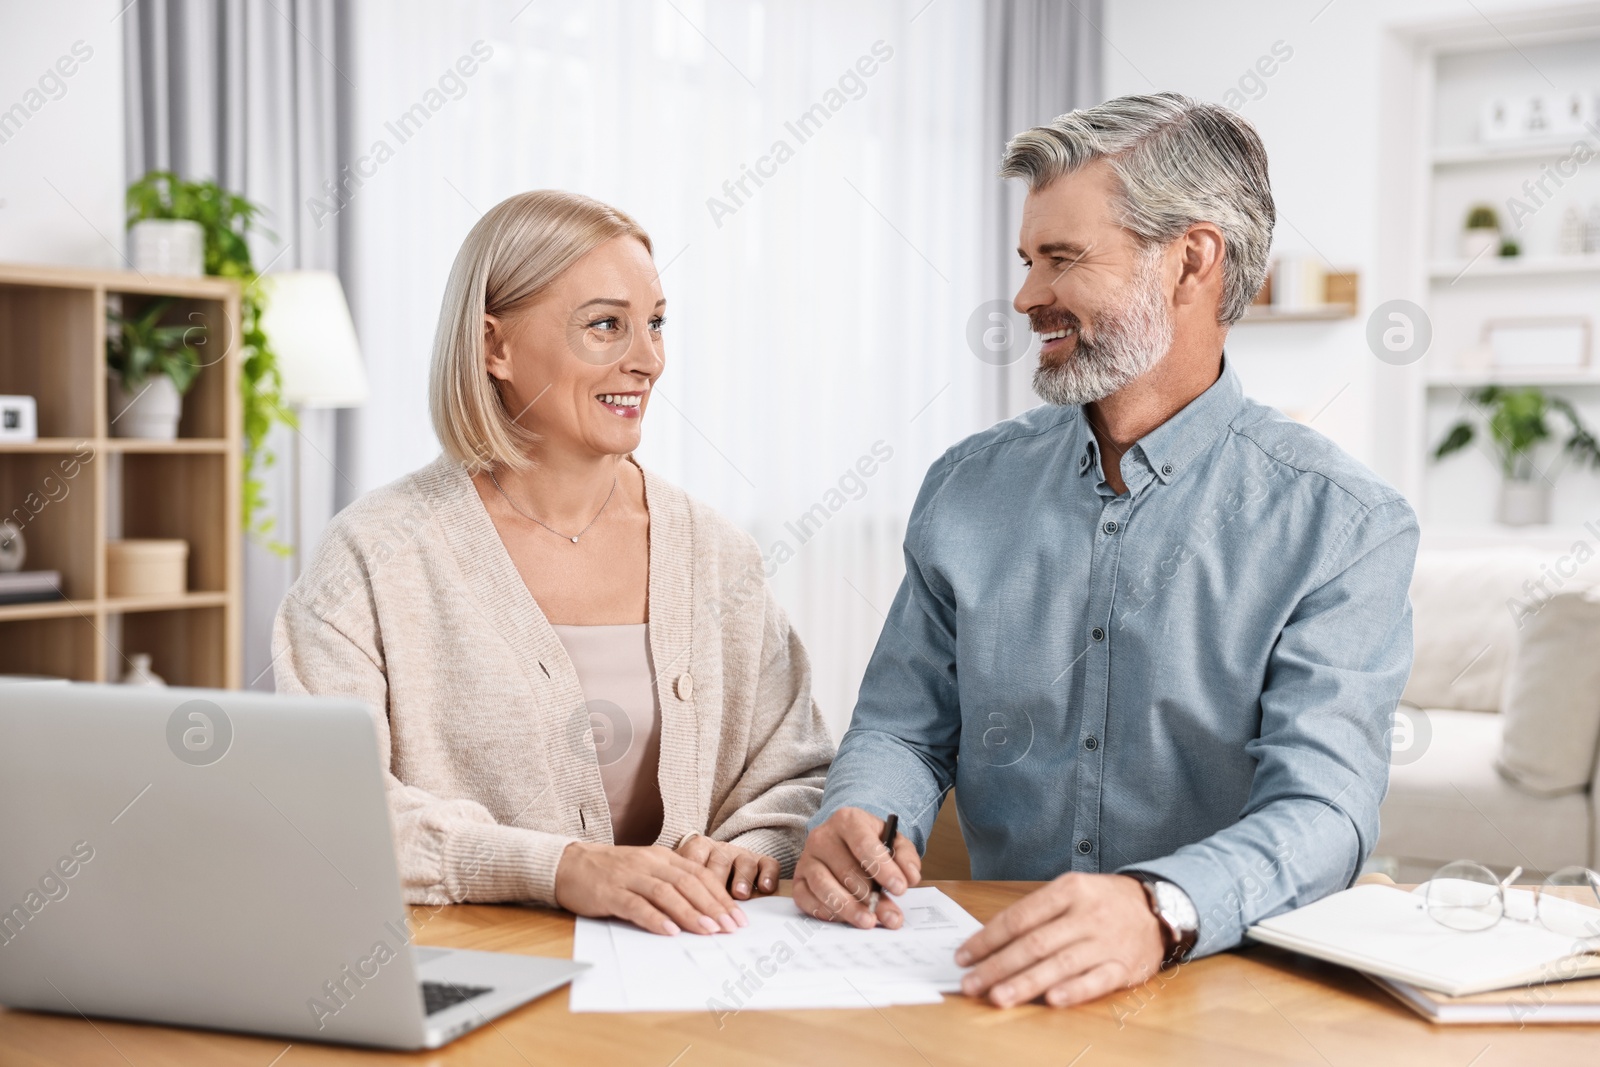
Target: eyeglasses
(1467,896)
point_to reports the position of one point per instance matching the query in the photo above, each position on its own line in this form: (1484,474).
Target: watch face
(1176,905)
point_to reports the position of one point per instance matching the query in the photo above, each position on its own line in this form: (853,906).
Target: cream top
(618,683)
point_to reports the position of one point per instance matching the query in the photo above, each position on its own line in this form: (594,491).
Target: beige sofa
(1494,755)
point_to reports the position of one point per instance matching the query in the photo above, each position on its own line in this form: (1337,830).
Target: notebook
(1385,931)
(1548,1003)
(23,587)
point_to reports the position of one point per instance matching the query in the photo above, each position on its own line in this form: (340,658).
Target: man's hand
(1080,937)
(842,858)
(742,871)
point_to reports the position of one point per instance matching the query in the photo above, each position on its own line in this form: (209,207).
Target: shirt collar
(1167,450)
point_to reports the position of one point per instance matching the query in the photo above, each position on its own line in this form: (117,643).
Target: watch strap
(1178,942)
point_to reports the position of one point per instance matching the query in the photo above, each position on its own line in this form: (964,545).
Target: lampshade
(308,323)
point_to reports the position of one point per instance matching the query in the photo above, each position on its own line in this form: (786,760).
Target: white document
(783,959)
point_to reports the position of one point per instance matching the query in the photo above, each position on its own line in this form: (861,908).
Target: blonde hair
(514,253)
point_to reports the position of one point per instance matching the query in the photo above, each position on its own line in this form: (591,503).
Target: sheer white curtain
(817,320)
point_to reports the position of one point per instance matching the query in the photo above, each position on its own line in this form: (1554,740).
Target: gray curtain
(1041,59)
(251,94)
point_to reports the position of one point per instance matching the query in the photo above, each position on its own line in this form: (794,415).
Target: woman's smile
(624,405)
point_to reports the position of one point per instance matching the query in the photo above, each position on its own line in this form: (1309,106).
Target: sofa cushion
(1464,626)
(1552,696)
(1450,803)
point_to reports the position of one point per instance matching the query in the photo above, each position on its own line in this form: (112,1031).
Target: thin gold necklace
(534,518)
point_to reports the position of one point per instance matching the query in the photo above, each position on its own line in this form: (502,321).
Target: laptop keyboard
(437,996)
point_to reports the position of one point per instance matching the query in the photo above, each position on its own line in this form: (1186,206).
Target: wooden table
(1254,1006)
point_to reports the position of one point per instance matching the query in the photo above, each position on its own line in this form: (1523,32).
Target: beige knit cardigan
(413,605)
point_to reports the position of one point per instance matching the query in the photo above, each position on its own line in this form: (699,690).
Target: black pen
(891,825)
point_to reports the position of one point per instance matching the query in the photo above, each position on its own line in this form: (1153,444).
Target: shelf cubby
(185,644)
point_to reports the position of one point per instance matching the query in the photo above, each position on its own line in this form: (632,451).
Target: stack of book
(25,587)
(1514,972)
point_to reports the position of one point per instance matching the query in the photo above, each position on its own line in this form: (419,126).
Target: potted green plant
(1481,236)
(1518,421)
(151,364)
(227,221)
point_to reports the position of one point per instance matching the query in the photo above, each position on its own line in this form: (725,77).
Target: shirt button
(1084,848)
(1166,468)
(685,687)
(1098,634)
(1090,743)
(1110,527)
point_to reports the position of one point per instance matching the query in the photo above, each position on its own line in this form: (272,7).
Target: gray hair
(1179,162)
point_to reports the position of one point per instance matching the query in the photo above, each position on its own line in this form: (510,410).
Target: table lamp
(308,324)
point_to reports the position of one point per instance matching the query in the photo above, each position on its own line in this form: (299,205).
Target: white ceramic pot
(149,413)
(167,246)
(1524,503)
(1479,242)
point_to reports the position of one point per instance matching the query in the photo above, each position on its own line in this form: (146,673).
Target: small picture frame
(19,418)
(1545,343)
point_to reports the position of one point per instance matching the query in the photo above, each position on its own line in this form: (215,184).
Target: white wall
(1321,116)
(61,159)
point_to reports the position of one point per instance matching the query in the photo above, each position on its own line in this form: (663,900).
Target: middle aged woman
(586,695)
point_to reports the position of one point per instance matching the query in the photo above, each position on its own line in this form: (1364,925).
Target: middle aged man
(1153,632)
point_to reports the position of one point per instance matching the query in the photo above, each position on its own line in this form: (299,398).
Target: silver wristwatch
(1180,922)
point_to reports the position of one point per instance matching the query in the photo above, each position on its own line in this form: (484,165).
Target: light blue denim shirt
(1193,678)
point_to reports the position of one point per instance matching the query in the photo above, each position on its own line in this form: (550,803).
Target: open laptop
(220,859)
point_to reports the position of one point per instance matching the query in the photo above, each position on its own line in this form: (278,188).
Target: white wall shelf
(1503,376)
(1488,267)
(1478,155)
(1325,313)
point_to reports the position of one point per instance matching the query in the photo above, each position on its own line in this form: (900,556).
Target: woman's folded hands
(663,891)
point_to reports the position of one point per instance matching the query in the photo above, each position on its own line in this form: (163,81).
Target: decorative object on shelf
(1301,289)
(1342,287)
(1297,282)
(1481,234)
(168,246)
(1573,232)
(18,586)
(151,366)
(227,221)
(13,549)
(1591,229)
(140,674)
(19,418)
(1550,343)
(1518,422)
(1509,248)
(147,567)
(1507,121)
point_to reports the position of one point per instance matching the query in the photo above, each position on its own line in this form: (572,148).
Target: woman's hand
(749,872)
(650,886)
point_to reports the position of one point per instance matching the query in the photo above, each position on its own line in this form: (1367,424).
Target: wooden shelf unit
(77,486)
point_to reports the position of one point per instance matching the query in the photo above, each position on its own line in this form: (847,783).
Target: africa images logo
(199,732)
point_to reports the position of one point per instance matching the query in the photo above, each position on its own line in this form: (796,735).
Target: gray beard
(1128,341)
